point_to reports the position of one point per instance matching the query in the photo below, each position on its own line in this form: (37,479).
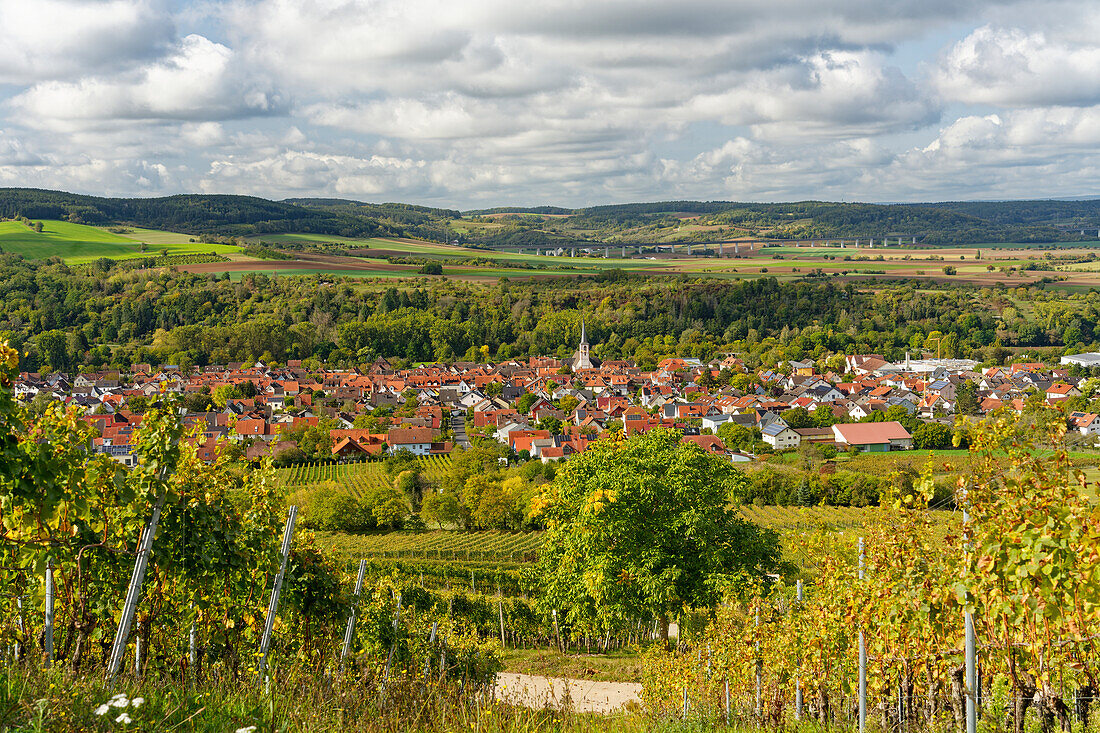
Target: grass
(79,243)
(295,700)
(71,242)
(620,665)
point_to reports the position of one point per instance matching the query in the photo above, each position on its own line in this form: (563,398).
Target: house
(1086,423)
(349,448)
(815,435)
(709,443)
(417,441)
(781,437)
(1060,391)
(873,436)
(801,368)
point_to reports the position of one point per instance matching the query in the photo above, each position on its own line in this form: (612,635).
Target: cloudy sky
(469,103)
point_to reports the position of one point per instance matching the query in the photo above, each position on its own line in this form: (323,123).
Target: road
(458,427)
(582,696)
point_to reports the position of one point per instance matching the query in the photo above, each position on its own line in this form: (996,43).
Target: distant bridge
(723,248)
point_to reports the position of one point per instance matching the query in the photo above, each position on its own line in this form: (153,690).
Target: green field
(79,243)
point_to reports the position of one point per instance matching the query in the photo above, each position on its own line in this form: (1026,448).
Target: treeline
(63,318)
(194,214)
(421,222)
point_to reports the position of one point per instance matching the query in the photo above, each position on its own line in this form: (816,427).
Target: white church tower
(581,359)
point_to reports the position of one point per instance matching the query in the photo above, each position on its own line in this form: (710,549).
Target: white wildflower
(137,702)
(247,729)
(118,701)
(123,718)
(102,709)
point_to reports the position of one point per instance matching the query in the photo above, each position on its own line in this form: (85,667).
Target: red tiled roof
(871,432)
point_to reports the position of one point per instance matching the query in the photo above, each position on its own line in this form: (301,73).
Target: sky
(476,103)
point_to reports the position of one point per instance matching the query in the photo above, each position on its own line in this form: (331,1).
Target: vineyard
(797,518)
(359,477)
(906,628)
(487,546)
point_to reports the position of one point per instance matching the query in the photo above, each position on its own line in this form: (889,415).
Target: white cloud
(303,172)
(51,39)
(1012,67)
(564,101)
(835,94)
(198,81)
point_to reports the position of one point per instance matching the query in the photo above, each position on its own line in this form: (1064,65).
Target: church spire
(584,337)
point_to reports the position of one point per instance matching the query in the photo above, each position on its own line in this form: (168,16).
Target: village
(548,409)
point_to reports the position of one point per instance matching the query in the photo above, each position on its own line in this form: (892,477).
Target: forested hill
(194,213)
(421,222)
(663,222)
(958,222)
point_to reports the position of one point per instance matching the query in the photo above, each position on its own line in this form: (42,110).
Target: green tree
(223,393)
(738,437)
(644,528)
(550,423)
(798,417)
(932,436)
(966,398)
(442,508)
(54,348)
(824,417)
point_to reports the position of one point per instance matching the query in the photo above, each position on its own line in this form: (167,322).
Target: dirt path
(584,696)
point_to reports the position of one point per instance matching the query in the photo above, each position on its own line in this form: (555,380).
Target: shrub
(328,506)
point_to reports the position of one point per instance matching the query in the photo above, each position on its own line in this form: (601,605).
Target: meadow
(79,243)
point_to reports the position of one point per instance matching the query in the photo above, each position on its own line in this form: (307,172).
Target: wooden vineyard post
(351,617)
(133,592)
(276,589)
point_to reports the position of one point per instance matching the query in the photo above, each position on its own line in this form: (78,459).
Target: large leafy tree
(643,528)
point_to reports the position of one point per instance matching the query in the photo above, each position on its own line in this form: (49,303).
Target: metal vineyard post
(273,606)
(47,629)
(862,659)
(351,618)
(134,591)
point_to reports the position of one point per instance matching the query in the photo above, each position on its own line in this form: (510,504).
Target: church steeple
(581,360)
